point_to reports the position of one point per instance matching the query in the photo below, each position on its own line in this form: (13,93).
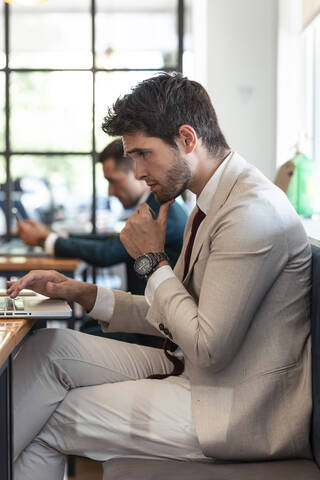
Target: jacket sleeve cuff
(104,305)
(49,243)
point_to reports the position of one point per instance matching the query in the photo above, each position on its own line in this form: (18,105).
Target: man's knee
(46,343)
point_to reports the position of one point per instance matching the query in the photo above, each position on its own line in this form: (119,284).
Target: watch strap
(155,258)
(159,257)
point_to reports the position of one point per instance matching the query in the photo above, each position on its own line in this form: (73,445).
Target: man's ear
(188,138)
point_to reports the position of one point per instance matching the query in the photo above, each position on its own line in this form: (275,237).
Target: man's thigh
(142,418)
(85,359)
(53,362)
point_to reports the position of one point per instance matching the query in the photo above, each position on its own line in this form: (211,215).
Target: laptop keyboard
(10,304)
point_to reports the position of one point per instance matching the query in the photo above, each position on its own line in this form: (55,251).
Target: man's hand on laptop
(55,285)
(32,233)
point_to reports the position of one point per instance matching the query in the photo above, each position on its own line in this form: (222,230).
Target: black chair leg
(71,466)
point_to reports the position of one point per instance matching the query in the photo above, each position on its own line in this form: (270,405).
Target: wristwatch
(146,263)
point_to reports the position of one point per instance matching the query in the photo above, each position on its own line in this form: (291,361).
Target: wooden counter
(25,263)
(11,333)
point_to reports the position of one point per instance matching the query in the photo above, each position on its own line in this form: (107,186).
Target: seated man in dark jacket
(104,250)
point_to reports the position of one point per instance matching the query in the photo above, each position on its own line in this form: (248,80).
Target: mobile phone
(17,215)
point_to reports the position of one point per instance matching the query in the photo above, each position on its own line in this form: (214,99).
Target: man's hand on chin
(142,233)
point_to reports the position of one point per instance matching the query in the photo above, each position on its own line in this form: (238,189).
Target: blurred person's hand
(55,285)
(32,232)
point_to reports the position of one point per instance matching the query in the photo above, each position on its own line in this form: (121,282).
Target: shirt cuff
(159,276)
(104,305)
(49,243)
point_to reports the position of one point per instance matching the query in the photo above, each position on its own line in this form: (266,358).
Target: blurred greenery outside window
(53,72)
(51,111)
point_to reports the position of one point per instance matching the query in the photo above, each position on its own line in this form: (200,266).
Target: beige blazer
(241,317)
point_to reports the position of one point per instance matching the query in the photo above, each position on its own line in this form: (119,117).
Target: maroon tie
(168,344)
(199,216)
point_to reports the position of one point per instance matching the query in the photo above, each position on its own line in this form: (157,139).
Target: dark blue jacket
(103,250)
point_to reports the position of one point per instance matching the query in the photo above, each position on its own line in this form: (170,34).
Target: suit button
(161,327)
(166,331)
(170,335)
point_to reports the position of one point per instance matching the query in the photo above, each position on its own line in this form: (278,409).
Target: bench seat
(147,469)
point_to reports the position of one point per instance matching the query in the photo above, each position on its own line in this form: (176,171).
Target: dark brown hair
(159,105)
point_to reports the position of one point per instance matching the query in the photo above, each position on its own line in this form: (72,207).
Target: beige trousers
(84,395)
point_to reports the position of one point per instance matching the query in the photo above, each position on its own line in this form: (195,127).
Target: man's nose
(139,170)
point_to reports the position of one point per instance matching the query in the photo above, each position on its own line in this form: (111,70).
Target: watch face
(143,265)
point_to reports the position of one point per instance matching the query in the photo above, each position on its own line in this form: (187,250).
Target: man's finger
(163,212)
(144,209)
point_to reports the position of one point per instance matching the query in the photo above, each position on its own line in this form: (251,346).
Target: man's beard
(178,178)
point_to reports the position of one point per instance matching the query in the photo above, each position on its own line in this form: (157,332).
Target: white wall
(241,74)
(291,102)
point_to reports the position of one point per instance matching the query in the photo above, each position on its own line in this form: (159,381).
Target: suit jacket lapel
(228,178)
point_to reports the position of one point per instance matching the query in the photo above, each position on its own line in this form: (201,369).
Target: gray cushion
(140,469)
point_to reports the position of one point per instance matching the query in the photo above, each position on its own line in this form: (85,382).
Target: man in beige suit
(236,305)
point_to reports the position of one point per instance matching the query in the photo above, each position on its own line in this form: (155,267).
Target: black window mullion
(7,188)
(93,47)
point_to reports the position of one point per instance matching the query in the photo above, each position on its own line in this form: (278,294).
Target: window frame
(9,152)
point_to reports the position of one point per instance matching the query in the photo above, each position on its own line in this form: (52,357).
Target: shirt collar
(144,197)
(206,196)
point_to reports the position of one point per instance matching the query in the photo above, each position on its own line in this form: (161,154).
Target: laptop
(16,247)
(34,306)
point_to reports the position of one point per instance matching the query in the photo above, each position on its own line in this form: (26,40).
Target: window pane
(55,190)
(139,34)
(108,88)
(54,34)
(2,195)
(2,56)
(51,111)
(2,111)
